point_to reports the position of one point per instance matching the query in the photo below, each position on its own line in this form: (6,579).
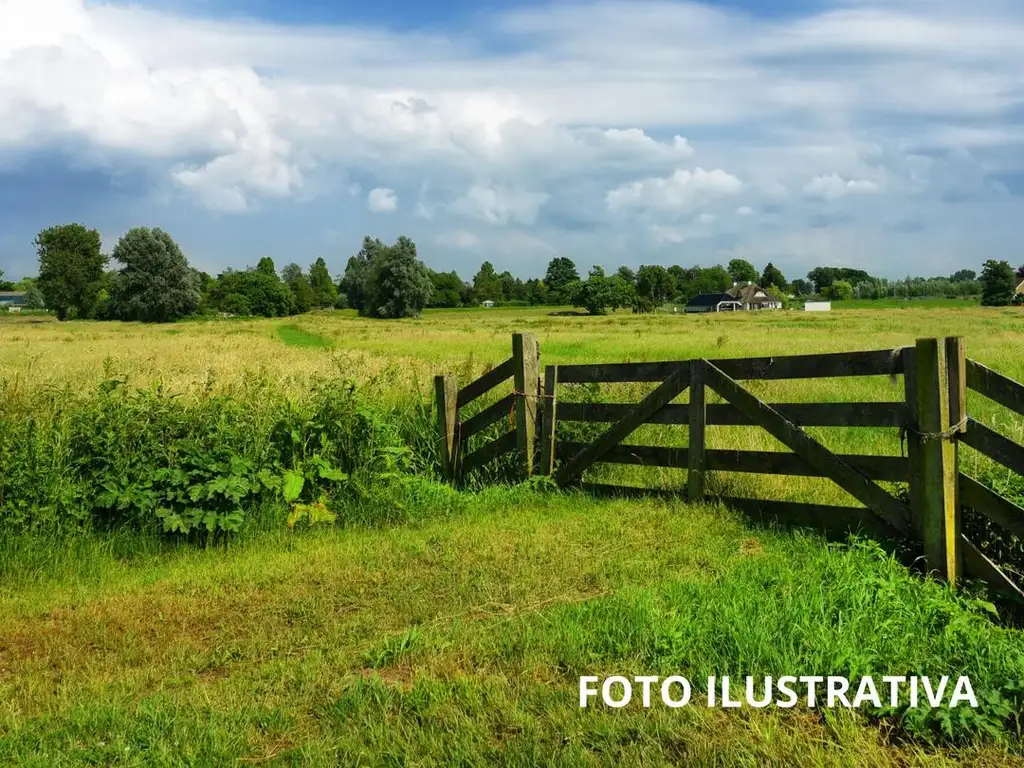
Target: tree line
(154,282)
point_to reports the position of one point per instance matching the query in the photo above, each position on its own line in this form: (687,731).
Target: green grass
(294,336)
(460,642)
(429,626)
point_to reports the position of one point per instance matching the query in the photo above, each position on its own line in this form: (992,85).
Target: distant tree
(398,284)
(267,295)
(236,304)
(70,268)
(802,287)
(266,266)
(626,274)
(325,292)
(962,275)
(155,283)
(447,289)
(598,292)
(714,279)
(653,282)
(536,292)
(772,276)
(5,285)
(486,283)
(34,297)
(303,295)
(561,272)
(997,283)
(742,271)
(357,272)
(840,290)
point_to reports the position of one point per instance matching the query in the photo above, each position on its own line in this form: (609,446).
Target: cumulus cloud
(679,192)
(382,200)
(833,187)
(542,117)
(500,205)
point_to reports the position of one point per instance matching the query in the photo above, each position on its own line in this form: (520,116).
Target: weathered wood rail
(931,416)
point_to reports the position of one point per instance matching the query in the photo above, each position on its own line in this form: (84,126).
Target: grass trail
(460,642)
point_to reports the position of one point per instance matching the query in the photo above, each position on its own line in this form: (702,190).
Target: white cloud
(500,205)
(833,187)
(541,117)
(704,218)
(679,192)
(382,200)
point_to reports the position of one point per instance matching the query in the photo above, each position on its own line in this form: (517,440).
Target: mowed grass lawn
(459,640)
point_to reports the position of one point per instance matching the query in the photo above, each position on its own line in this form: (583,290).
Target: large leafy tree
(253,291)
(772,276)
(654,283)
(357,272)
(70,268)
(487,284)
(5,285)
(155,283)
(742,271)
(325,292)
(448,288)
(398,283)
(998,282)
(561,274)
(302,292)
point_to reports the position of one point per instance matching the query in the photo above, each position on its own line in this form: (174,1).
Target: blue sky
(883,135)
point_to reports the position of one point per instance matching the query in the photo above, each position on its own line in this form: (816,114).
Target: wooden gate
(931,417)
(521,403)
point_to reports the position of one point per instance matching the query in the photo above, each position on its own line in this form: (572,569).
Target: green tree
(997,283)
(561,273)
(626,274)
(70,268)
(963,275)
(265,293)
(654,283)
(772,276)
(357,273)
(536,292)
(266,266)
(155,283)
(593,294)
(303,295)
(447,289)
(398,284)
(325,292)
(840,290)
(802,287)
(742,271)
(34,297)
(6,285)
(487,284)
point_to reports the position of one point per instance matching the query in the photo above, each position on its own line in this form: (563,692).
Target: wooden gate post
(526,367)
(937,512)
(698,420)
(547,436)
(446,393)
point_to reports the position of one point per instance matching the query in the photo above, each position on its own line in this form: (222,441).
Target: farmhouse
(712,302)
(488,303)
(12,301)
(753,296)
(1020,288)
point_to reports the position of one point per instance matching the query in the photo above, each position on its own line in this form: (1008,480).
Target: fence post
(547,437)
(937,517)
(526,364)
(446,393)
(698,420)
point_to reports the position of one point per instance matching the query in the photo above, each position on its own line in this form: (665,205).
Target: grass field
(430,626)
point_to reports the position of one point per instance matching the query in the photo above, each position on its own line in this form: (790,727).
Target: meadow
(227,540)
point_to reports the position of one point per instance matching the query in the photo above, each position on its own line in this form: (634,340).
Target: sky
(884,135)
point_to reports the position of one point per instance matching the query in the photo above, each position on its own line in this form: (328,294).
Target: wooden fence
(932,419)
